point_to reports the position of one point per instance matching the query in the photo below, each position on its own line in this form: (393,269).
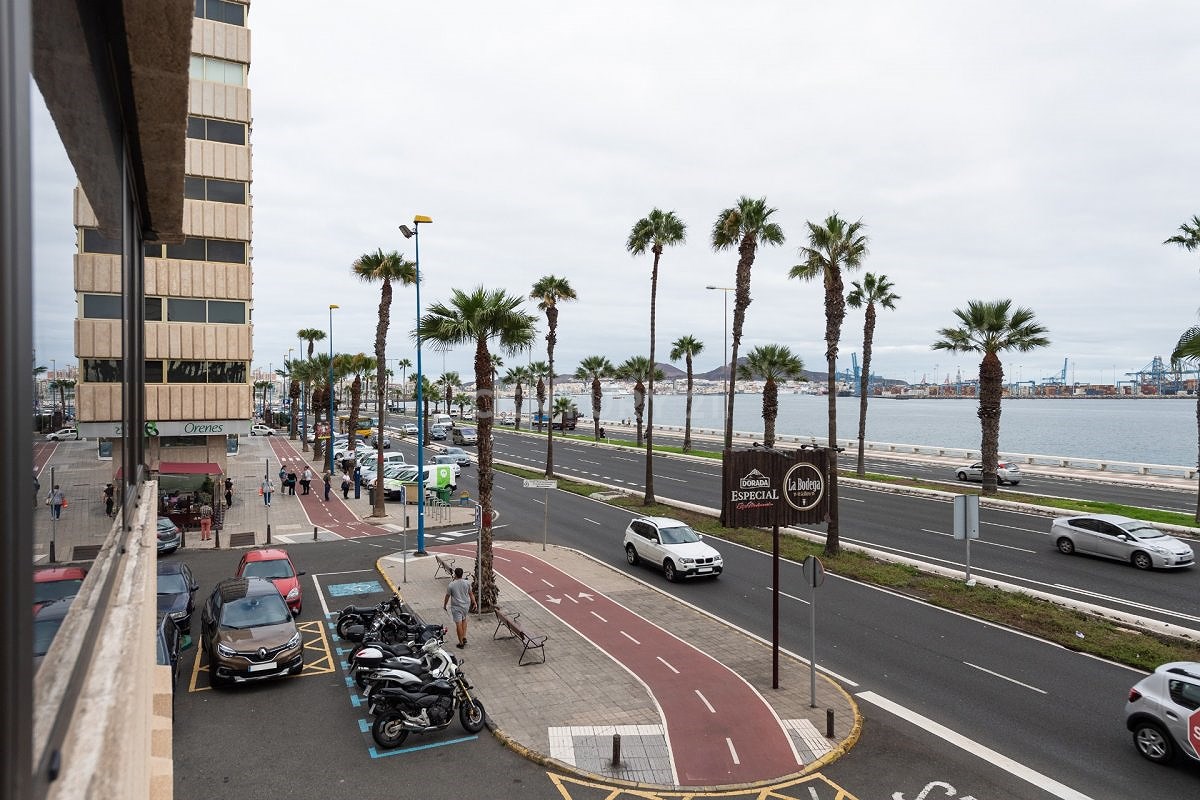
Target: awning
(188,468)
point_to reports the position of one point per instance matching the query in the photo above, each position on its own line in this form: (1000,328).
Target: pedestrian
(109,496)
(461,600)
(228,492)
(291,482)
(328,477)
(37,488)
(206,515)
(282,476)
(57,501)
(266,489)
(345,486)
(306,479)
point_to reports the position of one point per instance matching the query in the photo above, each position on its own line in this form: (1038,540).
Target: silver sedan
(1121,538)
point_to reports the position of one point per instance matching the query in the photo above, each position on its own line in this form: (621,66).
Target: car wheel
(669,570)
(1152,742)
(631,555)
(1141,560)
(1013,483)
(1065,545)
(962,476)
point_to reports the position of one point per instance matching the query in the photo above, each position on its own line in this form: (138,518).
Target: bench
(528,642)
(443,565)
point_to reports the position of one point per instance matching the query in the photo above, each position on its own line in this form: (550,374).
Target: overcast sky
(1034,151)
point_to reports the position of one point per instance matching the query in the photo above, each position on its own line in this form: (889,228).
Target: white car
(410,429)
(261,430)
(1006,472)
(672,546)
(62,434)
(1158,711)
(1121,538)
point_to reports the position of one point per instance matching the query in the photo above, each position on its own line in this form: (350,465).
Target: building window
(93,242)
(214,189)
(221,11)
(154,371)
(226,372)
(216,130)
(188,250)
(153,309)
(206,372)
(180,310)
(226,251)
(181,441)
(217,70)
(186,372)
(101,370)
(230,312)
(102,306)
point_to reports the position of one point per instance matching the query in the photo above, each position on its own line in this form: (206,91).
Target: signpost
(814,576)
(966,524)
(542,483)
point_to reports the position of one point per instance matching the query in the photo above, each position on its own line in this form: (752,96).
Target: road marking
(707,704)
(585,519)
(1005,677)
(732,750)
(597,616)
(705,474)
(548,583)
(1037,779)
(630,638)
(983,541)
(667,664)
(669,478)
(586,461)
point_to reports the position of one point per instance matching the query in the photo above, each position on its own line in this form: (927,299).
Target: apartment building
(197,304)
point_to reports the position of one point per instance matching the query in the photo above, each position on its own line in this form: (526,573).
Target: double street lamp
(728,366)
(329,444)
(412,233)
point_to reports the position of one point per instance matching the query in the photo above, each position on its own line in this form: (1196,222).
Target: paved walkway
(689,695)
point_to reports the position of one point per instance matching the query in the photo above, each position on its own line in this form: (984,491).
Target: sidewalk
(563,713)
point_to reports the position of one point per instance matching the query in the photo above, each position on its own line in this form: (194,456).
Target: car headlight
(225,650)
(178,615)
(294,641)
(687,560)
(294,594)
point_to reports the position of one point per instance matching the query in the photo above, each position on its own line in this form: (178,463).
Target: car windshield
(254,612)
(1140,530)
(173,583)
(45,592)
(43,634)
(165,526)
(680,535)
(276,568)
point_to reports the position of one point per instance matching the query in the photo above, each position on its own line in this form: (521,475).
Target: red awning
(188,468)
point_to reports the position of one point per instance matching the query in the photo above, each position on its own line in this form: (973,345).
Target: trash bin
(443,494)
(370,494)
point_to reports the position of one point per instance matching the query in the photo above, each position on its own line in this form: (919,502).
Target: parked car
(55,583)
(176,593)
(1161,709)
(449,460)
(169,642)
(462,457)
(410,428)
(46,622)
(170,537)
(672,546)
(259,429)
(376,442)
(248,633)
(460,435)
(1121,538)
(1006,472)
(468,413)
(63,434)
(275,565)
(437,432)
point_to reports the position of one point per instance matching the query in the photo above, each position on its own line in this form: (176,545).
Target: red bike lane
(332,515)
(719,728)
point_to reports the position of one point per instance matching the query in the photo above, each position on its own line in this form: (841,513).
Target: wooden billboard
(760,487)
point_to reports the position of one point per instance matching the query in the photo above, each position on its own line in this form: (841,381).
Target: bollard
(268,533)
(217,539)
(314,533)
(616,759)
(829,723)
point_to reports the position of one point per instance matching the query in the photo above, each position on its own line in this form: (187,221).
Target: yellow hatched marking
(809,787)
(318,657)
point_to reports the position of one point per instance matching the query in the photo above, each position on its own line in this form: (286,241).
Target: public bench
(528,641)
(445,565)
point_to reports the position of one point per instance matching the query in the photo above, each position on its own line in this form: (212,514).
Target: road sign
(966,516)
(1194,730)
(814,571)
(539,483)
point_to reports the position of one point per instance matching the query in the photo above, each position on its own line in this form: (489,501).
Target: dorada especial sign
(769,487)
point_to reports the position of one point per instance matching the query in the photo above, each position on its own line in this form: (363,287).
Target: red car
(53,583)
(274,565)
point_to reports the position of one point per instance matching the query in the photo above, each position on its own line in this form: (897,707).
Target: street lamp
(413,234)
(286,392)
(729,368)
(329,444)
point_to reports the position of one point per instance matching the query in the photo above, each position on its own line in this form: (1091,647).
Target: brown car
(248,633)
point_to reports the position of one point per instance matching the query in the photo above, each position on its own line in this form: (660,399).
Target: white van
(445,420)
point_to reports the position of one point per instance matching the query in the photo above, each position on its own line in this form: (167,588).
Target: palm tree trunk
(649,499)
(1198,453)
(518,400)
(597,398)
(835,310)
(551,338)
(487,591)
(863,383)
(991,381)
(639,405)
(687,414)
(741,299)
(770,412)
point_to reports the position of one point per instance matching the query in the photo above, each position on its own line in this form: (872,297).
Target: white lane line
(1005,677)
(704,700)
(539,502)
(527,569)
(623,458)
(732,750)
(667,664)
(705,474)
(1033,777)
(548,583)
(585,519)
(586,461)
(981,541)
(669,478)
(1123,601)
(572,599)
(630,638)
(597,616)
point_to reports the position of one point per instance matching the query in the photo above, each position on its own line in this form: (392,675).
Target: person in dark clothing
(109,495)
(228,492)
(328,484)
(291,482)
(345,486)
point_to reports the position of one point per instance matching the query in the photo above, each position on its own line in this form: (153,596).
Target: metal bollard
(829,723)
(616,758)
(217,539)
(314,533)
(268,533)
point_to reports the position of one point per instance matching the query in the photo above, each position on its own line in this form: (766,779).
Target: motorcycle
(399,712)
(391,627)
(362,615)
(374,668)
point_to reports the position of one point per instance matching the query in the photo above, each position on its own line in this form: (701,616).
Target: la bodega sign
(769,487)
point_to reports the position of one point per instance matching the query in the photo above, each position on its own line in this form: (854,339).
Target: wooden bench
(528,642)
(443,565)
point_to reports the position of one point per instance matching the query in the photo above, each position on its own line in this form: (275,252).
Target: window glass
(153,250)
(102,306)
(189,250)
(221,11)
(93,242)
(101,370)
(220,191)
(154,371)
(227,311)
(196,68)
(220,130)
(193,188)
(180,310)
(153,309)
(195,128)
(226,372)
(185,372)
(181,441)
(226,251)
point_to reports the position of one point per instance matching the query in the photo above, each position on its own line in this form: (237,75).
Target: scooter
(429,708)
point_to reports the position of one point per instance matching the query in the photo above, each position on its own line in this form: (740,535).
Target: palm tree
(497,365)
(518,377)
(874,290)
(289,372)
(832,247)
(1189,235)
(593,368)
(743,226)
(562,406)
(448,382)
(259,386)
(357,365)
(405,365)
(310,335)
(549,291)
(771,363)
(462,400)
(991,327)
(538,369)
(476,318)
(1188,350)
(652,232)
(637,369)
(687,347)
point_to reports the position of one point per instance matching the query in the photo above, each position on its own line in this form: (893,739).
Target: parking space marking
(313,640)
(345,589)
(809,787)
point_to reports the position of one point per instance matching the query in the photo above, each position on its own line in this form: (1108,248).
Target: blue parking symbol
(363,587)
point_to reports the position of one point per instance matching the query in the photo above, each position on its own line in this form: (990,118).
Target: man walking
(266,489)
(306,480)
(461,600)
(56,500)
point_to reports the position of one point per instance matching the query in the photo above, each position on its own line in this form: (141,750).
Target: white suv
(671,545)
(1161,708)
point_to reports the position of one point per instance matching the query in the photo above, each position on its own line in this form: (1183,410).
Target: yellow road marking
(809,787)
(318,657)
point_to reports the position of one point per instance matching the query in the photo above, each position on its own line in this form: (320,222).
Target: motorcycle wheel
(345,621)
(388,730)
(472,715)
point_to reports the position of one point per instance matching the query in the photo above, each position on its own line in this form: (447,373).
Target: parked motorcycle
(399,712)
(392,627)
(362,615)
(374,668)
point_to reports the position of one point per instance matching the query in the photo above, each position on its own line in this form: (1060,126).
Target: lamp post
(413,234)
(287,391)
(329,444)
(729,367)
